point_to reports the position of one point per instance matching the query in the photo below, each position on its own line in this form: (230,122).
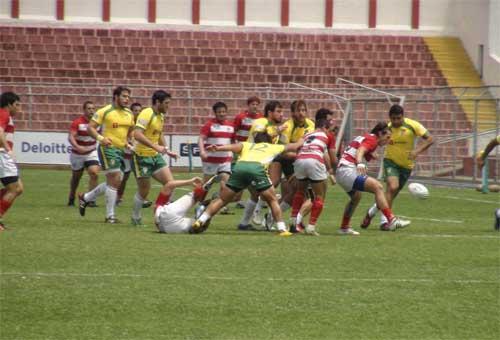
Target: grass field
(67,277)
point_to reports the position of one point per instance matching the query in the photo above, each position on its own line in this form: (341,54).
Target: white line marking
(455,236)
(459,198)
(432,219)
(246,279)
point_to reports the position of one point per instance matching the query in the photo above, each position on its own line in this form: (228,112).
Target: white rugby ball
(418,190)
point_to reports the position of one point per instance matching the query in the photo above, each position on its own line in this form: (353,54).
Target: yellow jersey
(402,142)
(264,125)
(262,153)
(115,124)
(294,132)
(152,124)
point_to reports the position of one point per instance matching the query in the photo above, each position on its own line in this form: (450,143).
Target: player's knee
(18,189)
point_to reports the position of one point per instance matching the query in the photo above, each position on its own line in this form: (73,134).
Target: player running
(117,122)
(9,174)
(399,158)
(83,153)
(250,171)
(352,176)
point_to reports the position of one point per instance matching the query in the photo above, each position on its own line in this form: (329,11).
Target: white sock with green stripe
(110,195)
(98,191)
(136,210)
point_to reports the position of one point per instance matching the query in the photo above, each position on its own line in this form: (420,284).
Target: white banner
(53,148)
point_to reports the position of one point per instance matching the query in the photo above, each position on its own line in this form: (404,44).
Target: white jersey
(316,144)
(369,141)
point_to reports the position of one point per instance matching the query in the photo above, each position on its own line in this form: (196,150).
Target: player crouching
(250,171)
(352,176)
(171,217)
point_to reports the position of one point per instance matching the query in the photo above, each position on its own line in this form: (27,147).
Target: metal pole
(474,141)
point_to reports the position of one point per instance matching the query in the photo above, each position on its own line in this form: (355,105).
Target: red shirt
(242,124)
(7,124)
(368,141)
(82,137)
(218,133)
(315,145)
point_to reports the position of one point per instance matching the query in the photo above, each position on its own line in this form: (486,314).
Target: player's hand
(412,155)
(106,142)
(333,181)
(361,168)
(172,154)
(197,181)
(211,148)
(281,128)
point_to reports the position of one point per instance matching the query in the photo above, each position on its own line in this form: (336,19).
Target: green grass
(67,277)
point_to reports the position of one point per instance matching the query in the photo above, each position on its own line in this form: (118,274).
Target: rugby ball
(418,190)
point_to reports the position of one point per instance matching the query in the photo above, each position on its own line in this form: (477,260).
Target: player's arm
(236,148)
(169,187)
(92,131)
(201,145)
(3,141)
(72,140)
(294,147)
(170,153)
(428,140)
(484,153)
(360,155)
(141,138)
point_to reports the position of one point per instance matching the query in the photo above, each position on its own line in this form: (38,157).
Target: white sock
(204,217)
(97,191)
(248,212)
(299,218)
(258,207)
(110,195)
(281,226)
(136,210)
(373,210)
(284,206)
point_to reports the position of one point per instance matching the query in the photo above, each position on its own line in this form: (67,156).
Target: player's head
(298,108)
(396,115)
(220,111)
(262,137)
(324,114)
(88,109)
(274,111)
(160,101)
(136,108)
(383,133)
(323,123)
(121,96)
(253,104)
(10,102)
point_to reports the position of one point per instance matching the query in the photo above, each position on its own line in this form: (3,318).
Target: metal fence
(462,120)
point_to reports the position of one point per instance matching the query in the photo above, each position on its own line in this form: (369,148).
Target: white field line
(454,236)
(246,279)
(432,219)
(460,198)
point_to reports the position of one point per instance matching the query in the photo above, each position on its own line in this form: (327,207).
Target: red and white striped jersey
(242,124)
(82,137)
(316,144)
(219,134)
(369,141)
(7,124)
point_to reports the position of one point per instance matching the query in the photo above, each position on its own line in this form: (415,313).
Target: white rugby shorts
(216,168)
(8,167)
(78,161)
(171,219)
(349,179)
(309,168)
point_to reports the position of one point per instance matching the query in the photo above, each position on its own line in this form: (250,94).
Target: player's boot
(147,204)
(347,231)
(300,228)
(246,227)
(310,230)
(111,220)
(71,202)
(366,221)
(394,224)
(92,204)
(497,219)
(82,204)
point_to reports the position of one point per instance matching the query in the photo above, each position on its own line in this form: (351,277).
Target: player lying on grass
(171,217)
(352,176)
(250,171)
(480,163)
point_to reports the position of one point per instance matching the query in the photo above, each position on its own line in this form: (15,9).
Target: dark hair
(218,105)
(296,104)
(271,107)
(322,123)
(118,91)
(262,137)
(134,105)
(253,99)
(161,96)
(322,114)
(396,110)
(87,103)
(380,129)
(8,98)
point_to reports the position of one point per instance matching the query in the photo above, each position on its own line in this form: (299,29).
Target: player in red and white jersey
(83,152)
(217,131)
(244,120)
(352,176)
(311,167)
(9,175)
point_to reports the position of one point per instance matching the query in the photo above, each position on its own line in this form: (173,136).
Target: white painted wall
(129,11)
(218,12)
(173,12)
(394,14)
(434,15)
(83,11)
(350,14)
(37,9)
(263,13)
(4,9)
(307,13)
